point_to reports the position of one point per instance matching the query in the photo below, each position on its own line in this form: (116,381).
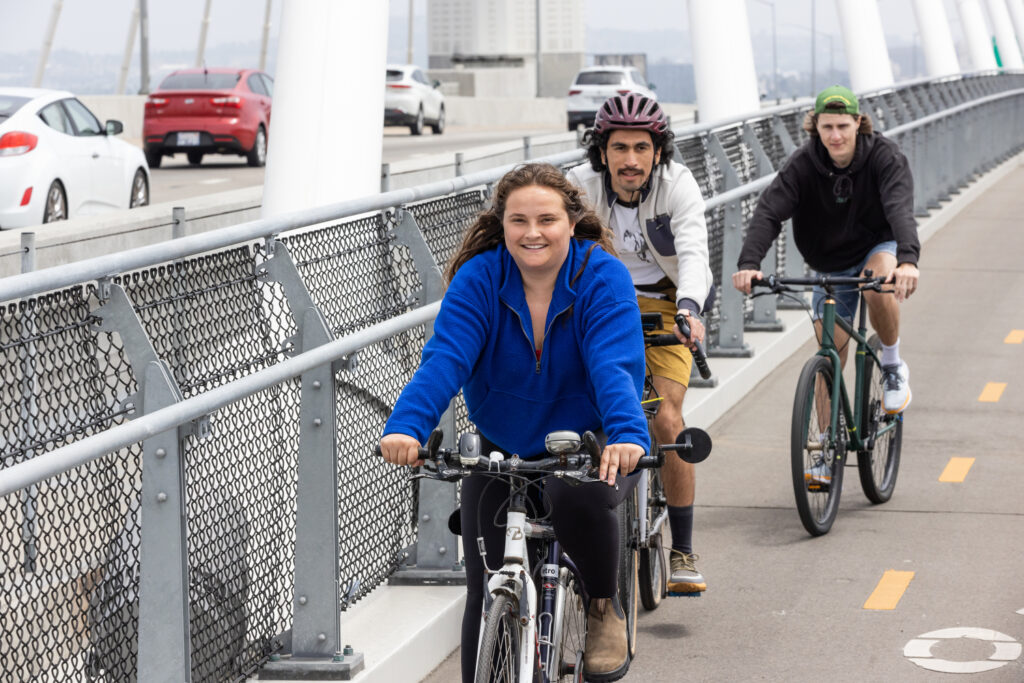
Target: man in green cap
(850,194)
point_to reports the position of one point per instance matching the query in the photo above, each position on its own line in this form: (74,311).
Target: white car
(57,161)
(411,100)
(595,84)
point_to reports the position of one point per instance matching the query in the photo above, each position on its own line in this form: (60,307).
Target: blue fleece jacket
(591,370)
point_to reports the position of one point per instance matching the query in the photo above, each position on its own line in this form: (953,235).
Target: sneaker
(818,476)
(896,386)
(684,578)
(606,657)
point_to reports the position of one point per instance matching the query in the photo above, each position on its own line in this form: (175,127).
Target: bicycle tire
(816,502)
(652,572)
(498,658)
(627,582)
(573,641)
(879,466)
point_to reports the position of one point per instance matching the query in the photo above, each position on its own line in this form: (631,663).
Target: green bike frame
(854,415)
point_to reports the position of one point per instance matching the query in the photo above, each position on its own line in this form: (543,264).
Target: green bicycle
(825,424)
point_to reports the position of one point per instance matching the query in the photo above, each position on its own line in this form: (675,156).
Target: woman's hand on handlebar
(904,280)
(741,279)
(696,329)
(619,456)
(400,449)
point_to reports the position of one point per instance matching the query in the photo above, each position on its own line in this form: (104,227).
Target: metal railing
(185,424)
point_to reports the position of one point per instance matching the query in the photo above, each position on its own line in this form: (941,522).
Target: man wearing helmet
(656,211)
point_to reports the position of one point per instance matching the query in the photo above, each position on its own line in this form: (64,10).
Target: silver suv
(595,84)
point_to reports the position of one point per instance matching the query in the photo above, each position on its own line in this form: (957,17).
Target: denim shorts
(847,297)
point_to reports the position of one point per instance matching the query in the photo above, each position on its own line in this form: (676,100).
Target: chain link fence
(70,544)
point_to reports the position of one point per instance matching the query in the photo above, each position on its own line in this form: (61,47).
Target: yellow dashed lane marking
(889,590)
(992,392)
(956,470)
(1015,337)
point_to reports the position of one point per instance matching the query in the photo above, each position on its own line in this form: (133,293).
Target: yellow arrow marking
(1015,337)
(992,392)
(889,590)
(956,470)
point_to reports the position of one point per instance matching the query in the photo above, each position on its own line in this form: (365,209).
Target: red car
(209,111)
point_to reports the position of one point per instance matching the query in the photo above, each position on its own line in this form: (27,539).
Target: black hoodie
(837,220)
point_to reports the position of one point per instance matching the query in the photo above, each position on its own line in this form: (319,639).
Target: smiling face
(630,156)
(838,132)
(537,230)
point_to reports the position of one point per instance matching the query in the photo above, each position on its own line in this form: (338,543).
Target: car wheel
(154,157)
(195,158)
(438,127)
(56,208)
(140,190)
(257,156)
(416,128)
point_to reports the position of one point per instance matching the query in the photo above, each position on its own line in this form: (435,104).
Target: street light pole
(814,84)
(775,64)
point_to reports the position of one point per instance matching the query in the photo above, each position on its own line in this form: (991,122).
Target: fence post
(164,632)
(385,177)
(316,646)
(730,329)
(527,151)
(177,222)
(435,557)
(458,164)
(30,524)
(765,318)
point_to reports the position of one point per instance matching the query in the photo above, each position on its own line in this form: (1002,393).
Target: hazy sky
(100,26)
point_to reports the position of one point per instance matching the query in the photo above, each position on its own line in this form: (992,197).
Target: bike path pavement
(782,605)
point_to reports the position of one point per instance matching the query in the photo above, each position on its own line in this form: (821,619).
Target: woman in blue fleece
(540,329)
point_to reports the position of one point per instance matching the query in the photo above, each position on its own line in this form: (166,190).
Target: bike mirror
(562,442)
(699,442)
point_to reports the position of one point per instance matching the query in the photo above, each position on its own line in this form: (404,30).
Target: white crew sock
(891,354)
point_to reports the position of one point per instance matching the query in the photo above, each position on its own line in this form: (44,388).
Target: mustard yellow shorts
(674,361)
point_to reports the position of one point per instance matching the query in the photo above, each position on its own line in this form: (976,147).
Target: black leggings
(585,524)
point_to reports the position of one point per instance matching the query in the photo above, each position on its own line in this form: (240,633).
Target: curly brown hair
(487,231)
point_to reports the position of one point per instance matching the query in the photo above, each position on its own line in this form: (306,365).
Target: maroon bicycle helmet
(632,112)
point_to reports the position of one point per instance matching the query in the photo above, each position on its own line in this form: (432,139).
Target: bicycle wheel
(818,453)
(573,640)
(879,465)
(627,567)
(651,571)
(498,658)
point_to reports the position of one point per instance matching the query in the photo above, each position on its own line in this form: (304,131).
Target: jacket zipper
(523,329)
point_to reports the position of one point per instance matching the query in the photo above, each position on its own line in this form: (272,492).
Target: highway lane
(176,179)
(782,606)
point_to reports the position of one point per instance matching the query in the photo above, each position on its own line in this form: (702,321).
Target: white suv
(595,84)
(411,100)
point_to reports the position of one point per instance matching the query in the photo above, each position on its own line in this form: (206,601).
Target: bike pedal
(694,594)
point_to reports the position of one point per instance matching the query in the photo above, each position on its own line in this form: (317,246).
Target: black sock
(680,519)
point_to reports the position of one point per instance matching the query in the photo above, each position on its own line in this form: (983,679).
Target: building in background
(488,48)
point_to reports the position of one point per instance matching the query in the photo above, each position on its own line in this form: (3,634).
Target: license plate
(188,139)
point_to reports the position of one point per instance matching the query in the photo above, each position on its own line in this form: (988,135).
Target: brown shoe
(606,657)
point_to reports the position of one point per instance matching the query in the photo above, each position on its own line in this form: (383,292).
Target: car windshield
(10,104)
(200,81)
(599,78)
(394,75)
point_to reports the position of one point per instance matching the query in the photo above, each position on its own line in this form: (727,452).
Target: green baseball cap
(829,99)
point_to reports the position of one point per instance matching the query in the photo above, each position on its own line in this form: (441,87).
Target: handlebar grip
(699,357)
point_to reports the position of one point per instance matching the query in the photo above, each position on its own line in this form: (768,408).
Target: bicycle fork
(514,579)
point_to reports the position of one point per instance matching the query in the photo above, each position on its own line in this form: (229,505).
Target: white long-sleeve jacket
(672,216)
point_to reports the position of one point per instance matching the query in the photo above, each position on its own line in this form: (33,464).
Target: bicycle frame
(827,348)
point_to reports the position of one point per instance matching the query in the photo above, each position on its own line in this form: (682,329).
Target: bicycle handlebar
(779,284)
(699,356)
(577,464)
